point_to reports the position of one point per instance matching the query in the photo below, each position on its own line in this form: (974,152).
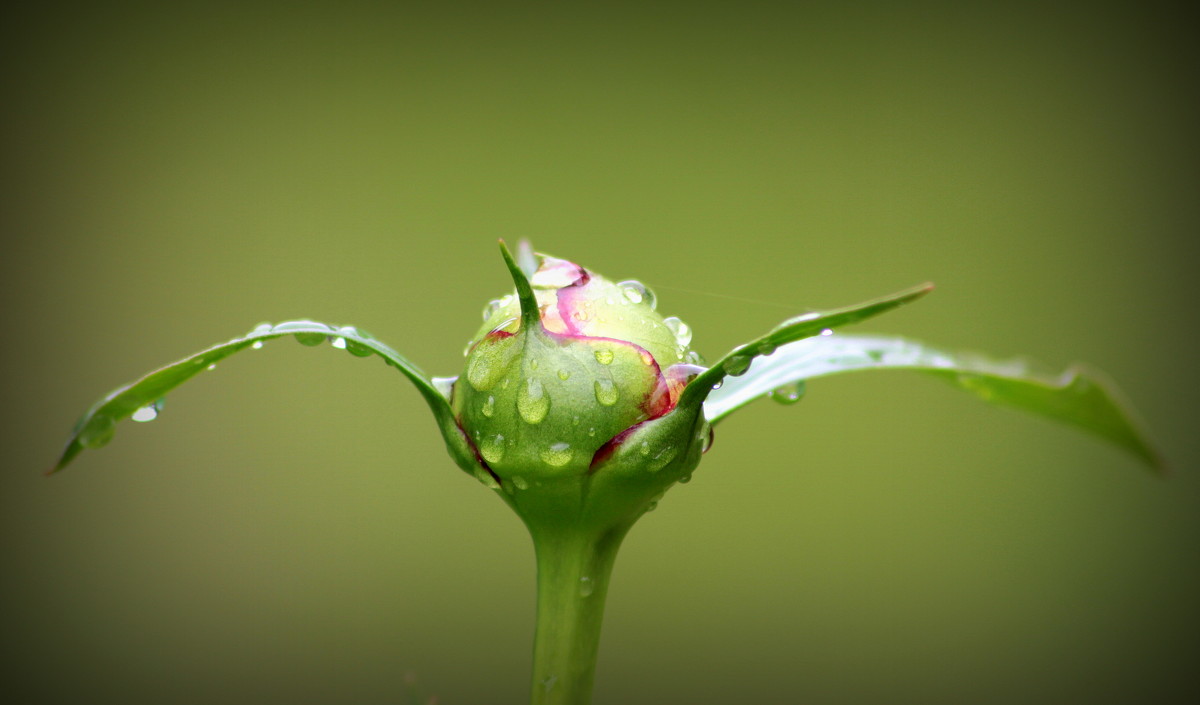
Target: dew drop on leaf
(789,393)
(737,365)
(98,432)
(585,586)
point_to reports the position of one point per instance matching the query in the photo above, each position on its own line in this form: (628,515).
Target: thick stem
(573,568)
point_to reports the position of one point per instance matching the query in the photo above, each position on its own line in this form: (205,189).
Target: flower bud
(553,392)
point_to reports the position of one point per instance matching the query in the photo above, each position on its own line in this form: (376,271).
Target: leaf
(738,360)
(96,427)
(1078,396)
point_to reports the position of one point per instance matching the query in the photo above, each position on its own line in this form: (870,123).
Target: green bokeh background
(291,529)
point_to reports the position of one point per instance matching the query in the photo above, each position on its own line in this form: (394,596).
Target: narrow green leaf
(1078,396)
(737,361)
(142,399)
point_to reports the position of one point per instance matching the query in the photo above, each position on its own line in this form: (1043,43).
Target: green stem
(573,568)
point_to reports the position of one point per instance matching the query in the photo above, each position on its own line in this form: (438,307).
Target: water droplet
(564,374)
(304,338)
(592,431)
(652,506)
(492,448)
(737,365)
(148,412)
(977,384)
(685,479)
(575,420)
(532,402)
(586,587)
(604,356)
(644,449)
(827,331)
(693,358)
(682,331)
(718,384)
(705,437)
(637,292)
(766,347)
(647,357)
(489,406)
(875,355)
(339,343)
(520,483)
(789,393)
(606,392)
(557,455)
(662,458)
(257,345)
(491,308)
(482,370)
(261,328)
(548,683)
(533,364)
(486,478)
(98,432)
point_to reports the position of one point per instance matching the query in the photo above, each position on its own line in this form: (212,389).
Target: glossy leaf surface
(1078,396)
(804,326)
(142,399)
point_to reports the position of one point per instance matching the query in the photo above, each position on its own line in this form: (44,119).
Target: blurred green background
(291,529)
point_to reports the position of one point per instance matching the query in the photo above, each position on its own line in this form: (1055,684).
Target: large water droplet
(606,392)
(789,393)
(98,432)
(737,365)
(492,448)
(586,587)
(557,455)
(681,330)
(532,401)
(489,406)
(148,412)
(604,356)
(307,338)
(483,370)
(705,437)
(637,292)
(766,347)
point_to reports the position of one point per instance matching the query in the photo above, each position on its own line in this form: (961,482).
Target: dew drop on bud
(532,402)
(789,393)
(604,356)
(557,455)
(564,374)
(491,308)
(606,392)
(637,293)
(492,448)
(520,483)
(482,371)
(585,586)
(681,330)
(489,406)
